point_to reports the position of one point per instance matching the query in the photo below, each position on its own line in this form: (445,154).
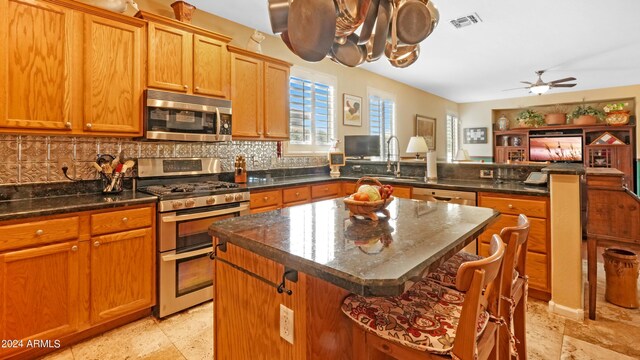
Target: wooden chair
(513,299)
(410,326)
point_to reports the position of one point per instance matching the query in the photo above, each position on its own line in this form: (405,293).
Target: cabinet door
(39,293)
(122,273)
(622,160)
(37,58)
(112,76)
(210,67)
(276,101)
(170,59)
(247,95)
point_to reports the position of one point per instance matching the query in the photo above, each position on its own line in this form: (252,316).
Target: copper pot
(350,15)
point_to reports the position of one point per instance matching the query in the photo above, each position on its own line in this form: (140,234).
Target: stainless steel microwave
(180,117)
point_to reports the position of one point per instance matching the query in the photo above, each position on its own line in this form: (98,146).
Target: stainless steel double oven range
(190,199)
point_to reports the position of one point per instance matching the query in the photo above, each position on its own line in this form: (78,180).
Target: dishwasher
(448,196)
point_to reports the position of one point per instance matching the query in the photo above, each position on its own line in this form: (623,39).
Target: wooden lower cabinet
(121,279)
(536,208)
(39,293)
(268,200)
(59,280)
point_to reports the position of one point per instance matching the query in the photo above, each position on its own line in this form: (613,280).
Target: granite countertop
(364,257)
(511,187)
(41,206)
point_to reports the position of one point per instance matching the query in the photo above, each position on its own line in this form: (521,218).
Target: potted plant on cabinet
(586,115)
(530,118)
(557,115)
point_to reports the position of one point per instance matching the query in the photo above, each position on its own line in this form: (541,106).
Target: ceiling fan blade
(562,80)
(518,88)
(562,85)
(526,82)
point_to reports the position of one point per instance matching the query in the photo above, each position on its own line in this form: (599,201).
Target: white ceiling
(597,42)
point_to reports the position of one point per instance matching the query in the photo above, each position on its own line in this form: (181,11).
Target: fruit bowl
(367,209)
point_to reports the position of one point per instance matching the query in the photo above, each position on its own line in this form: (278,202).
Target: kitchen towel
(432,165)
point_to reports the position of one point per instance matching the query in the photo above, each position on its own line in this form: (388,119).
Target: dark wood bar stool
(513,300)
(432,321)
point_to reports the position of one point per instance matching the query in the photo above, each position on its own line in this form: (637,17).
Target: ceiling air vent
(465,21)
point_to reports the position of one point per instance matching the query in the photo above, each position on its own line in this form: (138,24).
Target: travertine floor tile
(142,339)
(544,331)
(574,349)
(191,331)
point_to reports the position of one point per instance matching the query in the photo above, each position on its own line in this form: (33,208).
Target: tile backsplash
(34,159)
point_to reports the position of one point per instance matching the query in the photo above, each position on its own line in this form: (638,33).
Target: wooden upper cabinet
(210,67)
(39,293)
(113,75)
(260,95)
(246,94)
(37,58)
(122,269)
(170,58)
(276,101)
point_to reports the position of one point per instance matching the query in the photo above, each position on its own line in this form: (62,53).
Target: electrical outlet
(486,174)
(286,323)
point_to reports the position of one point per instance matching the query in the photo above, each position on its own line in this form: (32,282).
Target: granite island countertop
(42,206)
(364,257)
(508,187)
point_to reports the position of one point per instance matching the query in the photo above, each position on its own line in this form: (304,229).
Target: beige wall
(409,101)
(478,114)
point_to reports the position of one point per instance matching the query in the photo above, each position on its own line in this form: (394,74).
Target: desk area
(333,255)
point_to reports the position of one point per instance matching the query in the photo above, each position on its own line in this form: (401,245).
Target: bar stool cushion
(424,318)
(445,274)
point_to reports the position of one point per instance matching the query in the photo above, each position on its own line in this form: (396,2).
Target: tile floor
(189,335)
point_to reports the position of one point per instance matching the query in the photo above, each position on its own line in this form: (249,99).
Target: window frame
(316,77)
(455,143)
(383,95)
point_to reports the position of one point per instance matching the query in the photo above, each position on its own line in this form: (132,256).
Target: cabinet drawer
(266,198)
(402,192)
(296,194)
(325,190)
(348,188)
(537,241)
(122,220)
(38,232)
(536,268)
(515,206)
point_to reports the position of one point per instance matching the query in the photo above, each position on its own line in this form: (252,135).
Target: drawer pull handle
(510,206)
(125,219)
(96,244)
(74,248)
(266,198)
(39,232)
(297,194)
(326,189)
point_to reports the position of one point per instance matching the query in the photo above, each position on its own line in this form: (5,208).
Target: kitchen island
(310,257)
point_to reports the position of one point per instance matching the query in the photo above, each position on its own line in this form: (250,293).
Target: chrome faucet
(397,171)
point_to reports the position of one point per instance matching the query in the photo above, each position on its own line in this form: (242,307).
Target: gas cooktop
(198,187)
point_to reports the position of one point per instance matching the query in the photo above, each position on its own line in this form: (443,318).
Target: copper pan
(278,15)
(376,44)
(369,22)
(416,20)
(311,28)
(350,53)
(350,15)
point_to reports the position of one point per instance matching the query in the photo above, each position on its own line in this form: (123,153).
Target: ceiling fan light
(539,89)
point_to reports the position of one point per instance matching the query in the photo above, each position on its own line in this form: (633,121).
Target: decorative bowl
(620,117)
(367,208)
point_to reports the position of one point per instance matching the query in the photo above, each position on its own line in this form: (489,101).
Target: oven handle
(187,255)
(176,218)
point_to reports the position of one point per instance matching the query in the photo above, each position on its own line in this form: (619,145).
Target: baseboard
(571,313)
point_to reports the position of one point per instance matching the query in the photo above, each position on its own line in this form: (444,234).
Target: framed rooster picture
(352,113)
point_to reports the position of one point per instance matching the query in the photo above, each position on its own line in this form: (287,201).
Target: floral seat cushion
(445,274)
(424,318)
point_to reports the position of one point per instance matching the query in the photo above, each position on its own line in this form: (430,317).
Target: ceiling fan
(540,87)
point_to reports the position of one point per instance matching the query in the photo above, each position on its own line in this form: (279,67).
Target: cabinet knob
(510,206)
(186,87)
(197,88)
(89,125)
(259,132)
(125,219)
(39,232)
(96,244)
(74,248)
(297,194)
(67,124)
(266,198)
